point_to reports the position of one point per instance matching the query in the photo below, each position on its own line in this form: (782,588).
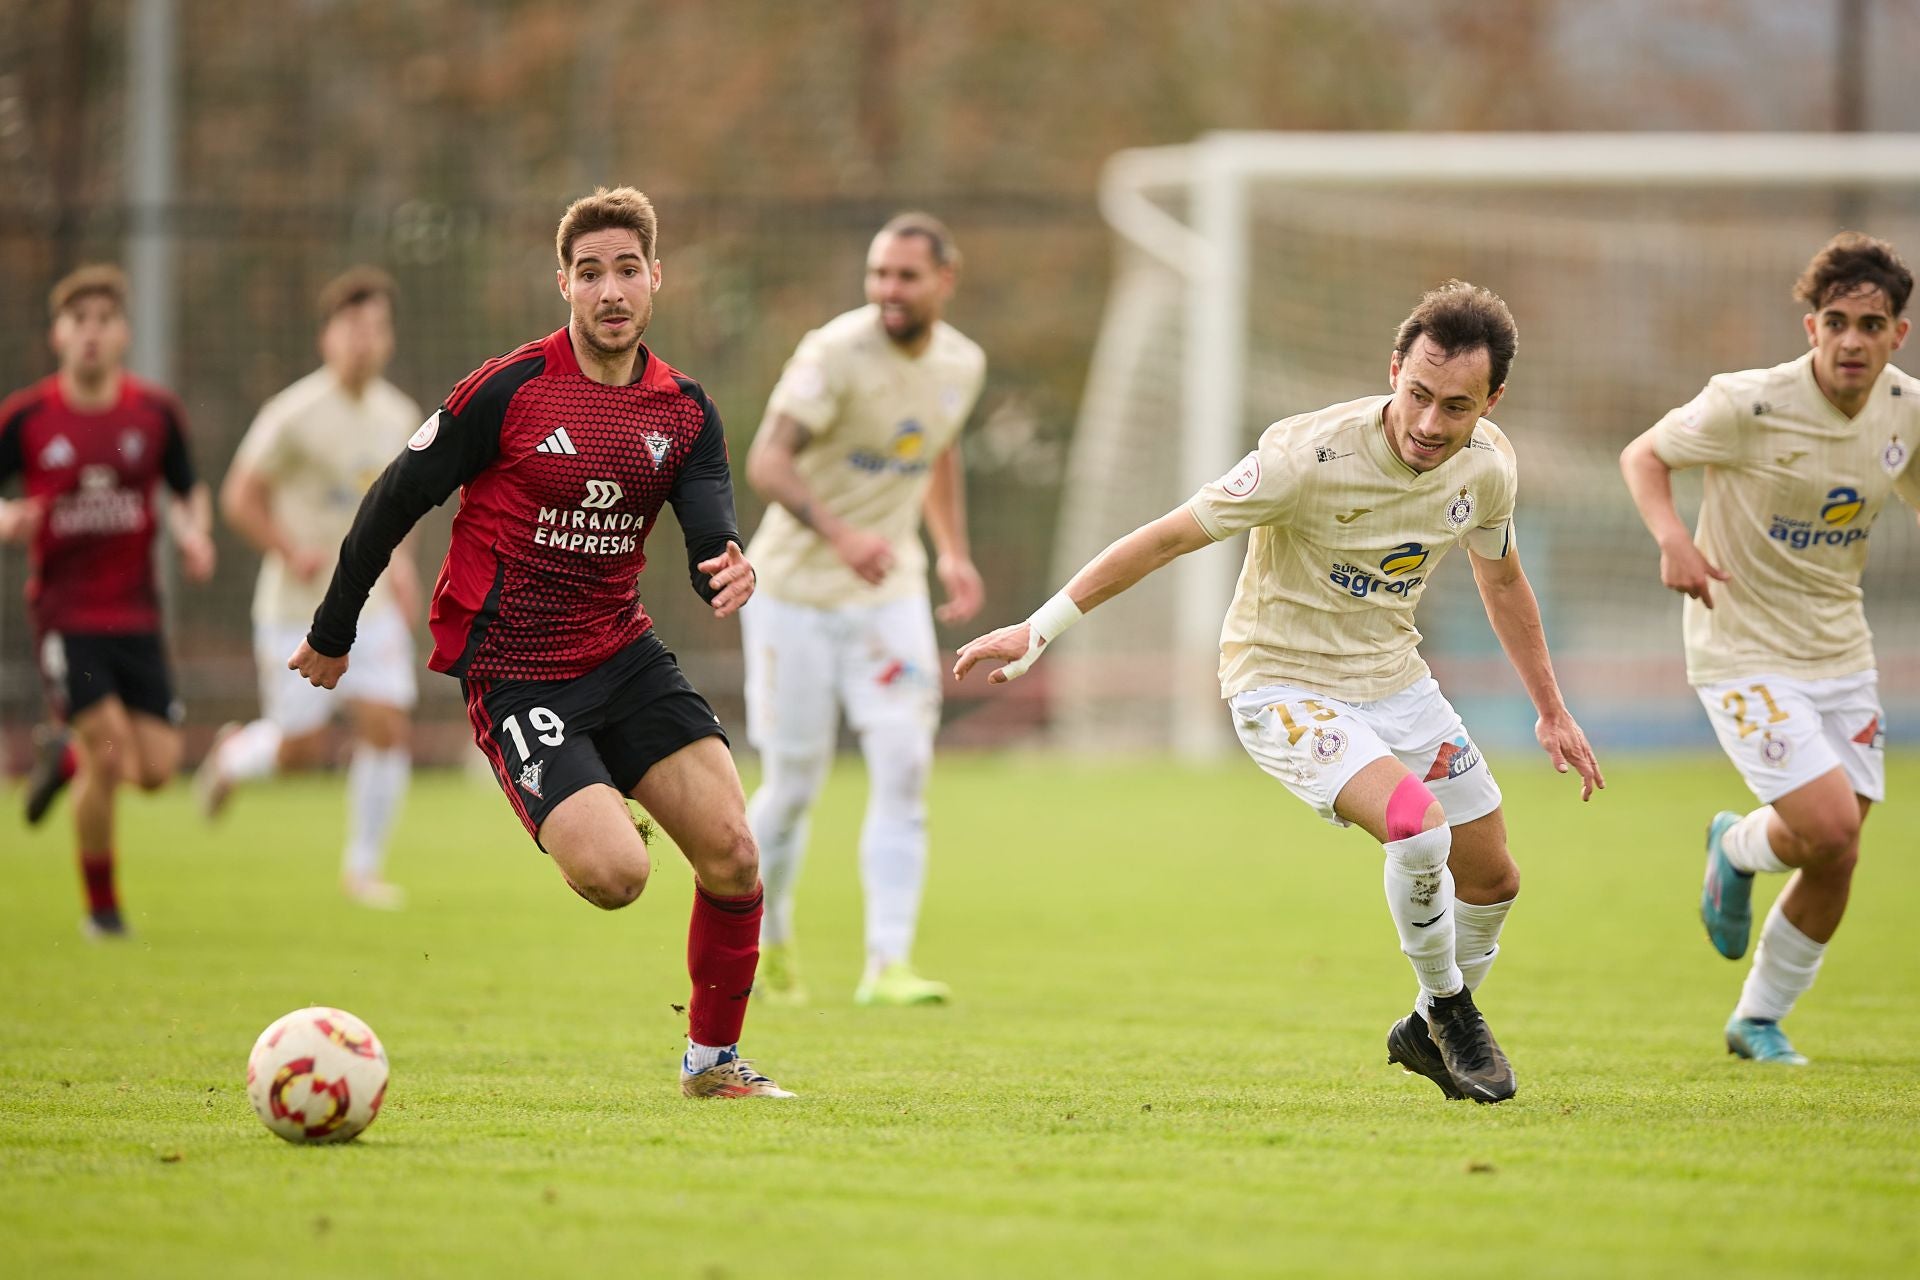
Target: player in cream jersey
(859,441)
(1350,509)
(1800,459)
(292,491)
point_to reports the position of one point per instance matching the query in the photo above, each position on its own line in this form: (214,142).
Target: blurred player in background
(92,442)
(1351,508)
(306,462)
(859,441)
(564,451)
(1799,460)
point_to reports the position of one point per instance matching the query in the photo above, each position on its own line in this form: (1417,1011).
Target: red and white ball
(317,1075)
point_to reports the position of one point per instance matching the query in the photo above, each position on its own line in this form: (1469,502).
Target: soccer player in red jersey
(564,452)
(92,442)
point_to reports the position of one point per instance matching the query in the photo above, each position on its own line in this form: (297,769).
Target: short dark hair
(354,286)
(1851,263)
(96,279)
(1458,317)
(607,209)
(939,239)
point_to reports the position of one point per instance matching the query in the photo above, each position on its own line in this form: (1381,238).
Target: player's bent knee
(1831,840)
(612,884)
(1411,810)
(733,865)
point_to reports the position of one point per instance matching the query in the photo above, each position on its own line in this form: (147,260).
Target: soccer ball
(317,1075)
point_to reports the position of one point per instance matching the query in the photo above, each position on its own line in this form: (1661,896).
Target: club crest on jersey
(1460,510)
(1328,746)
(1776,751)
(657,445)
(132,445)
(602,494)
(59,453)
(530,777)
(1453,759)
(1894,454)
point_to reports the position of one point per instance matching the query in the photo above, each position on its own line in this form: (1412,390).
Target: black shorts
(81,669)
(546,739)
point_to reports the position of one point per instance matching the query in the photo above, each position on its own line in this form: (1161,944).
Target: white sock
(702,1056)
(252,752)
(1420,896)
(1784,965)
(893,839)
(777,815)
(1476,938)
(376,786)
(1747,846)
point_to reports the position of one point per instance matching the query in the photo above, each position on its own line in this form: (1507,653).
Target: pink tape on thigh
(1407,808)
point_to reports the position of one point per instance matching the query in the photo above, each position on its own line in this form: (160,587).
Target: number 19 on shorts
(548,727)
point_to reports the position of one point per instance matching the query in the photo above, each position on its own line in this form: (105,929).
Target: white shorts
(803,664)
(1315,744)
(380,669)
(1781,732)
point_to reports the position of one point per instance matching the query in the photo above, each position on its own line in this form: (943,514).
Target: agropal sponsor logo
(591,528)
(1397,574)
(1834,528)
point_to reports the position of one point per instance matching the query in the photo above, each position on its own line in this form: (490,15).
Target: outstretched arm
(1515,615)
(1122,564)
(444,454)
(1650,480)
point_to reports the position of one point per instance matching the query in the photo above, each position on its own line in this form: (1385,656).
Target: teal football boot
(1726,896)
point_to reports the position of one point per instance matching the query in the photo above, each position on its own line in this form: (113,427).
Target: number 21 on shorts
(1736,702)
(550,729)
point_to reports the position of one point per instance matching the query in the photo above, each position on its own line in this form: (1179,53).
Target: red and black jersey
(91,562)
(563,480)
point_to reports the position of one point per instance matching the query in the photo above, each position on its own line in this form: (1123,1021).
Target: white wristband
(1043,628)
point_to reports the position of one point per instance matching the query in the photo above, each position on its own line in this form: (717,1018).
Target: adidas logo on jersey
(558,442)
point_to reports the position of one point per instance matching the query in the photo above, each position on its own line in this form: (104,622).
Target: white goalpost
(1261,275)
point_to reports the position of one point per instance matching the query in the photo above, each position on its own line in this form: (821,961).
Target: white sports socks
(1476,938)
(777,815)
(376,786)
(1747,846)
(893,840)
(1420,896)
(1784,965)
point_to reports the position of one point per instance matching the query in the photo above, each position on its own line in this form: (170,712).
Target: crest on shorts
(1460,510)
(1776,751)
(1894,454)
(657,446)
(530,777)
(1328,745)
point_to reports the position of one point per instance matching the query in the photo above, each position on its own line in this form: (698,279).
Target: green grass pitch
(1166,1056)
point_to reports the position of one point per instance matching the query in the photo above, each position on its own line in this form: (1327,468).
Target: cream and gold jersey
(1792,489)
(321,450)
(1344,538)
(879,419)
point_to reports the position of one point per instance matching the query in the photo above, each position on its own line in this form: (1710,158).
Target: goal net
(1260,276)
